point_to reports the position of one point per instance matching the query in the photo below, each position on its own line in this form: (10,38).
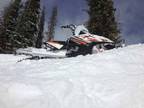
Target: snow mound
(112,79)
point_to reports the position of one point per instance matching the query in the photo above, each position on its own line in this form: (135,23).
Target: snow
(112,79)
(42,52)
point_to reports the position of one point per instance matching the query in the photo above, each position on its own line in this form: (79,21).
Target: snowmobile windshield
(81,29)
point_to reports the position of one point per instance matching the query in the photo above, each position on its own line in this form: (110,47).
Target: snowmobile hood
(88,38)
(102,39)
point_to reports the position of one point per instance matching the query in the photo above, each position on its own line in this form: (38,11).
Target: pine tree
(41,30)
(1,34)
(52,23)
(102,18)
(8,24)
(28,23)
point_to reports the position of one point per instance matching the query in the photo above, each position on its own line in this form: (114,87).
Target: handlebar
(70,26)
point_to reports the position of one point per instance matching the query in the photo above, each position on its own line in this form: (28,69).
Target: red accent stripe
(78,41)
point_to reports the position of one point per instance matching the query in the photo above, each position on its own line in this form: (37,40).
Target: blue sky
(131,17)
(3,3)
(129,14)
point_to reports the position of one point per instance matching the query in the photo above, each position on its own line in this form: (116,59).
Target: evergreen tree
(41,30)
(102,18)
(8,24)
(1,32)
(52,23)
(28,23)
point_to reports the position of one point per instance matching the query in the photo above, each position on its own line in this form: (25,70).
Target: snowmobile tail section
(54,45)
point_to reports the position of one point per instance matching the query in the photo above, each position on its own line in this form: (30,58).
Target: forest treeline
(22,23)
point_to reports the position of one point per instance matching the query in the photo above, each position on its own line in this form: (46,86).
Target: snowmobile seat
(55,45)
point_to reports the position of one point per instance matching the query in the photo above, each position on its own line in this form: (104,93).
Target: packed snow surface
(112,79)
(42,52)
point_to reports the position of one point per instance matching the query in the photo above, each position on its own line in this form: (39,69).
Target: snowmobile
(80,43)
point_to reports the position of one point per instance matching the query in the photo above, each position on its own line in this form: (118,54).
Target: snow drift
(112,79)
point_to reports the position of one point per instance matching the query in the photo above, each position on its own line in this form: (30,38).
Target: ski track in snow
(112,79)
